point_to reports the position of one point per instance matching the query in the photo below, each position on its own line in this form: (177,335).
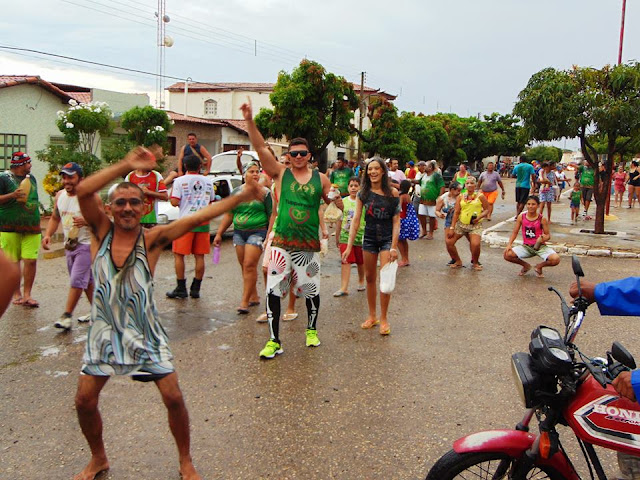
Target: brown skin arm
(206,157)
(180,157)
(326,186)
(239,159)
(164,196)
(485,208)
(456,216)
(90,206)
(9,282)
(546,234)
(355,224)
(439,205)
(160,236)
(227,220)
(588,290)
(269,163)
(52,225)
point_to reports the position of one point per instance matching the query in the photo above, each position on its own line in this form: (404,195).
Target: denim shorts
(377,239)
(249,237)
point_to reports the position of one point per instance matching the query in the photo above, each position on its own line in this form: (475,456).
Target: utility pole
(624,8)
(362,74)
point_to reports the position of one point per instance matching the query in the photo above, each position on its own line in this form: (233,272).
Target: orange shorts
(491,196)
(196,243)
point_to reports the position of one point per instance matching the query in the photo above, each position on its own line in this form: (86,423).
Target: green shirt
(587,176)
(298,222)
(252,215)
(15,216)
(341,178)
(431,186)
(348,213)
(576,196)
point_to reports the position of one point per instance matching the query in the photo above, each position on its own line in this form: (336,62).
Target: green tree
(545,153)
(505,135)
(580,102)
(430,137)
(386,136)
(310,103)
(146,126)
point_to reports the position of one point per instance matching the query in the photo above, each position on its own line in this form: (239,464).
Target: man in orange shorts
(191,192)
(488,185)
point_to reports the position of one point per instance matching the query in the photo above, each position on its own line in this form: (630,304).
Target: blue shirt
(523,172)
(620,297)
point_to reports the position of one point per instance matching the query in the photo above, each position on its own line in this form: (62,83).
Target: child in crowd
(535,235)
(409,225)
(575,197)
(348,207)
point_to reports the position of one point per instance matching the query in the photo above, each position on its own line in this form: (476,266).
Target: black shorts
(587,194)
(377,239)
(522,193)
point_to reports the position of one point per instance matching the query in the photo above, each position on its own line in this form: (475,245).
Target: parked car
(224,185)
(451,170)
(225,163)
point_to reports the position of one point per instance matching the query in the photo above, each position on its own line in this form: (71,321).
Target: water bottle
(215,258)
(25,186)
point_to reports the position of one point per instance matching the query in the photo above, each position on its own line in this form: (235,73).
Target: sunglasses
(301,153)
(134,202)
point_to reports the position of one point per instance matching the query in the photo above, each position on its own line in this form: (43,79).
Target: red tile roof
(13,80)
(239,125)
(255,87)
(81,97)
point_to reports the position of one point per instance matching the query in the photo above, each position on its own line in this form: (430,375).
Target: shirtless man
(296,243)
(126,337)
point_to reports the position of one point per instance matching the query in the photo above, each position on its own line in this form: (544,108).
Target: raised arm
(268,161)
(138,158)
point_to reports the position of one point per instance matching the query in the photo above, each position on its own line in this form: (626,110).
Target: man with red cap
(20,223)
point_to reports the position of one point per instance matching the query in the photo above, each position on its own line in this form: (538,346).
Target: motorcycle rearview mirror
(622,355)
(577,268)
(563,305)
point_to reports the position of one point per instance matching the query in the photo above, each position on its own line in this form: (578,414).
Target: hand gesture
(217,240)
(46,242)
(325,234)
(393,255)
(440,214)
(252,190)
(247,110)
(345,255)
(240,151)
(79,222)
(140,159)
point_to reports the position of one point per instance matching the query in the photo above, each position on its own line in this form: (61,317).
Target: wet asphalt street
(360,406)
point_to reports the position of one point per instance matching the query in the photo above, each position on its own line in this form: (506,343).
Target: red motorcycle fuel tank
(601,417)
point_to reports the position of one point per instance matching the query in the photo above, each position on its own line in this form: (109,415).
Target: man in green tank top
(296,243)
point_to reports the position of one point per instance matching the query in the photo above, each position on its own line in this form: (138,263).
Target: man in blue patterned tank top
(126,336)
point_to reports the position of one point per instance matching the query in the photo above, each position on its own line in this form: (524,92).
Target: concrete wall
(120,102)
(228,103)
(31,110)
(209,136)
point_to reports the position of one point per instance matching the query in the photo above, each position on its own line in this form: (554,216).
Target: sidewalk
(568,239)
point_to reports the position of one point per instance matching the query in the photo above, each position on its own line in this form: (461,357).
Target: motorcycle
(560,385)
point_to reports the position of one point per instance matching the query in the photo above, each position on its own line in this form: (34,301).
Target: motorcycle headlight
(163,219)
(525,378)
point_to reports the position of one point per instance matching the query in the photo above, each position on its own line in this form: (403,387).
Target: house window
(210,108)
(9,143)
(172,146)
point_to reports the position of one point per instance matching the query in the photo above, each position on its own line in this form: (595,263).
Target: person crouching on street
(191,192)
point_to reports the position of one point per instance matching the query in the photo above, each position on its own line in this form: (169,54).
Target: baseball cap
(71,168)
(411,163)
(19,158)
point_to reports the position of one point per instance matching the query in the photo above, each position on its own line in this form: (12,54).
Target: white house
(29,105)
(222,101)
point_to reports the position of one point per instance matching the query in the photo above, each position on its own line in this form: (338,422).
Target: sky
(468,57)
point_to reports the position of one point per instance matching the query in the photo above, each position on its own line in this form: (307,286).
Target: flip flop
(242,311)
(362,288)
(385,331)
(18,301)
(254,304)
(31,303)
(477,267)
(539,273)
(340,293)
(524,271)
(455,266)
(367,325)
(287,317)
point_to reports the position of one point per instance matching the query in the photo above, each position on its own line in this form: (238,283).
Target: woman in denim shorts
(250,221)
(380,204)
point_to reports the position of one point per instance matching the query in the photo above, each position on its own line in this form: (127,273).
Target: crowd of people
(277,214)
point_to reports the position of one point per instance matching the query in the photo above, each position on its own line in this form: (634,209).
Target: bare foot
(455,265)
(539,273)
(385,328)
(94,468)
(188,471)
(524,270)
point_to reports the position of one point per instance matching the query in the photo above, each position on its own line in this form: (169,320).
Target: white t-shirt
(68,207)
(194,192)
(398,175)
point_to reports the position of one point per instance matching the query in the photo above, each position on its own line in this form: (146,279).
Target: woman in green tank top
(250,221)
(461,177)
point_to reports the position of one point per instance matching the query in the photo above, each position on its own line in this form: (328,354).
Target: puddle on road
(50,351)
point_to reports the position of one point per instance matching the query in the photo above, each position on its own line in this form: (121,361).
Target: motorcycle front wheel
(484,466)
